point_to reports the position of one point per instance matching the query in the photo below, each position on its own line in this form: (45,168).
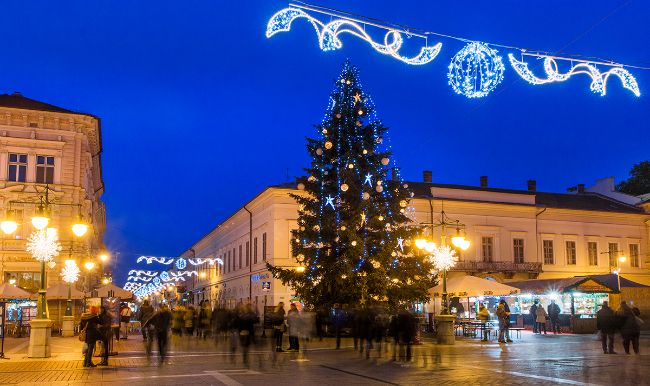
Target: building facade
(44,147)
(515,235)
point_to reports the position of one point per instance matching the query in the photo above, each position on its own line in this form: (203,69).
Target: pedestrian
(554,317)
(177,326)
(206,319)
(630,329)
(189,320)
(541,320)
(533,313)
(246,325)
(160,321)
(125,319)
(504,322)
(483,316)
(89,323)
(105,333)
(145,312)
(293,320)
(279,326)
(339,320)
(406,326)
(606,323)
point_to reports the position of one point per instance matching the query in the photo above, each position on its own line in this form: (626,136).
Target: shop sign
(255,278)
(266,286)
(592,286)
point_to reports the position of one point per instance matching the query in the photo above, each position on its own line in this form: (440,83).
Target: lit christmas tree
(353,245)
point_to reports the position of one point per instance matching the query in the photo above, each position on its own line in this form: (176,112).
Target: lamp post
(89,266)
(618,270)
(70,275)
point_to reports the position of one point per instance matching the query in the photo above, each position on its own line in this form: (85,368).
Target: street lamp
(618,270)
(443,257)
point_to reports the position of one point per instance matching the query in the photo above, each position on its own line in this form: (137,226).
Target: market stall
(579,298)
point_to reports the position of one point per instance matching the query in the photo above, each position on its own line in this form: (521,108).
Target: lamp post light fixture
(618,270)
(443,257)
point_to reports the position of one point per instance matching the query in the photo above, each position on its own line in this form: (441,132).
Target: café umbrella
(10,291)
(472,286)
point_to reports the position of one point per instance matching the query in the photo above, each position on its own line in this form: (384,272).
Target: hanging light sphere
(89,265)
(343,228)
(51,264)
(379,188)
(79,229)
(365,151)
(366,195)
(403,203)
(430,246)
(344,187)
(40,222)
(351,166)
(385,161)
(475,70)
(354,243)
(328,145)
(301,186)
(319,151)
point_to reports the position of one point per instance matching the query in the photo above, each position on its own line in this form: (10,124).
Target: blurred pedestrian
(504,320)
(293,321)
(106,333)
(125,319)
(145,312)
(89,325)
(178,323)
(406,325)
(630,329)
(606,324)
(205,317)
(533,313)
(554,317)
(279,325)
(483,316)
(339,320)
(161,322)
(189,320)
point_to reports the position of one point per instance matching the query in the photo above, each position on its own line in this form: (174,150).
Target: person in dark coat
(145,312)
(533,313)
(89,322)
(554,316)
(630,329)
(161,322)
(105,332)
(606,322)
(339,320)
(406,327)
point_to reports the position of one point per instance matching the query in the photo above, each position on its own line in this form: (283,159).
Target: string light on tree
(475,70)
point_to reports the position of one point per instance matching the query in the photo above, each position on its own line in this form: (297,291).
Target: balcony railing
(497,266)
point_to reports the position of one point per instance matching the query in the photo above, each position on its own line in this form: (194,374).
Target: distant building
(514,234)
(46,146)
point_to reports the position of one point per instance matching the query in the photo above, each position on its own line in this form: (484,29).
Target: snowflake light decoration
(70,274)
(475,70)
(443,258)
(44,244)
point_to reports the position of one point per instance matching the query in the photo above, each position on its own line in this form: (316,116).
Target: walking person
(293,320)
(606,323)
(541,320)
(630,329)
(483,316)
(89,323)
(105,333)
(406,326)
(533,313)
(160,321)
(279,325)
(125,319)
(339,320)
(145,312)
(554,317)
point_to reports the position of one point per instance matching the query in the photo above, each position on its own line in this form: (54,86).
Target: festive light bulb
(300,269)
(89,265)
(430,246)
(9,227)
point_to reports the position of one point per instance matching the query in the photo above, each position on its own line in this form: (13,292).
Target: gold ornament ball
(328,145)
(379,182)
(324,131)
(360,112)
(393,254)
(344,276)
(311,179)
(381,218)
(359,123)
(342,80)
(343,228)
(301,257)
(406,186)
(354,243)
(403,203)
(347,81)
(365,151)
(344,187)
(301,186)
(376,264)
(366,195)
(316,228)
(401,210)
(416,277)
(351,166)
(379,189)
(302,228)
(319,151)
(385,161)
(338,115)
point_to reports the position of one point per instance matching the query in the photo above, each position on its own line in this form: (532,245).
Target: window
(488,248)
(44,169)
(25,280)
(592,250)
(248,252)
(263,246)
(228,261)
(240,256)
(571,253)
(17,167)
(518,246)
(634,255)
(548,252)
(613,254)
(234,262)
(18,218)
(255,250)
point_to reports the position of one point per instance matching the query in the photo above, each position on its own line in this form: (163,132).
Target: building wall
(74,142)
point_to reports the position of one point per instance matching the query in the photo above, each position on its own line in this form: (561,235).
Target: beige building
(46,146)
(514,234)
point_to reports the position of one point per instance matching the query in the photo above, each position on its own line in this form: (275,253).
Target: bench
(518,330)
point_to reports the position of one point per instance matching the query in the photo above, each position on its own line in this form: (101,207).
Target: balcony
(507,267)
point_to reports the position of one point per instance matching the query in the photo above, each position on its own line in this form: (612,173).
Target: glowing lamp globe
(79,229)
(51,264)
(12,281)
(40,222)
(9,226)
(70,263)
(430,246)
(103,257)
(457,240)
(300,269)
(105,281)
(202,274)
(622,259)
(420,243)
(464,245)
(89,265)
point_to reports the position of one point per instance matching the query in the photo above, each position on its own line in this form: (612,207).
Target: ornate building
(44,147)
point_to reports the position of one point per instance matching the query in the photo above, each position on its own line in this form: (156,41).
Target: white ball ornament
(385,161)
(475,70)
(366,195)
(379,189)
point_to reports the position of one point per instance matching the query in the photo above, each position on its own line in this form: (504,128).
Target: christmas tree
(354,245)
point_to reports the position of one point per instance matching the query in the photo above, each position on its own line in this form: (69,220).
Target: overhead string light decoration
(205,260)
(598,83)
(328,34)
(473,72)
(161,260)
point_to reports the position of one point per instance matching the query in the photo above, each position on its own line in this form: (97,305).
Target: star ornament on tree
(70,274)
(368,179)
(329,200)
(443,258)
(357,98)
(44,244)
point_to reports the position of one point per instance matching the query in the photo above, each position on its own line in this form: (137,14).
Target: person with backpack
(125,319)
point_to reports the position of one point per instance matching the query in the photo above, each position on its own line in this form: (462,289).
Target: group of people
(96,326)
(540,315)
(625,320)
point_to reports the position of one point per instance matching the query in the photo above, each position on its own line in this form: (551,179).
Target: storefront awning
(586,284)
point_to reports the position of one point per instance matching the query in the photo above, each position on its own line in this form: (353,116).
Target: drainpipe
(250,255)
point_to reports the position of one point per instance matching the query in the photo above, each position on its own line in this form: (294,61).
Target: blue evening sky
(200,111)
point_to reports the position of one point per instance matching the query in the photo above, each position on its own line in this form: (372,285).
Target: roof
(17,101)
(579,283)
(644,198)
(586,201)
(612,280)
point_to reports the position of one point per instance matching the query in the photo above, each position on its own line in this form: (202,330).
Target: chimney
(427,175)
(484,182)
(581,188)
(532,185)
(395,174)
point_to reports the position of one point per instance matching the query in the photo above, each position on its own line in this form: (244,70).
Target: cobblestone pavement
(531,360)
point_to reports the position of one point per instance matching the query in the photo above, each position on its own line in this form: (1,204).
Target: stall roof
(612,281)
(548,286)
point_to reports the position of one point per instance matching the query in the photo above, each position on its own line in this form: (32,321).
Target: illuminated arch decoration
(139,272)
(161,260)
(205,260)
(475,70)
(181,263)
(598,79)
(328,35)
